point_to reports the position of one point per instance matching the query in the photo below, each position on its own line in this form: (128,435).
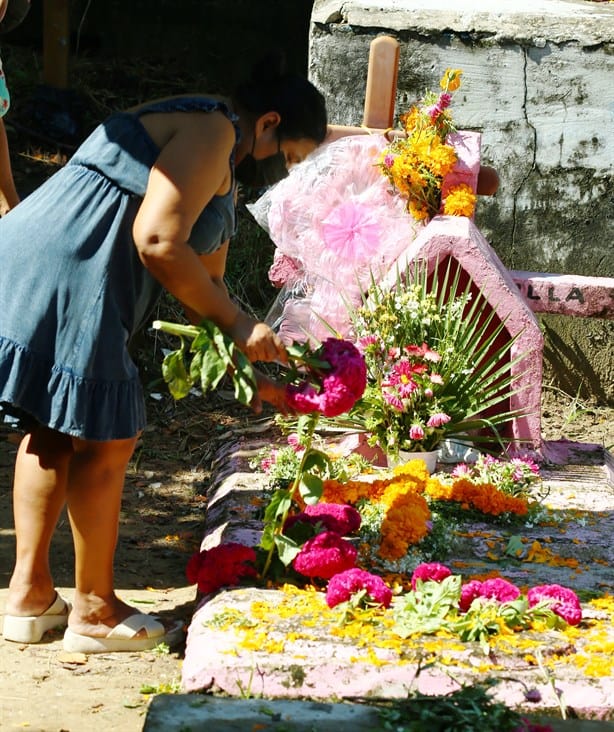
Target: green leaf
(210,369)
(175,374)
(287,549)
(244,379)
(515,548)
(310,488)
(316,459)
(279,504)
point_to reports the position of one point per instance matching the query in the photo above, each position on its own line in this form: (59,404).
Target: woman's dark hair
(270,88)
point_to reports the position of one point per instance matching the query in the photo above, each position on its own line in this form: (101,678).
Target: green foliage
(425,609)
(214,355)
(468,709)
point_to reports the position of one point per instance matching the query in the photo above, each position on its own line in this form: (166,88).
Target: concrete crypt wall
(537,85)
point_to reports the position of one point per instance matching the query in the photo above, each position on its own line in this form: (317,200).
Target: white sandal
(124,636)
(31,628)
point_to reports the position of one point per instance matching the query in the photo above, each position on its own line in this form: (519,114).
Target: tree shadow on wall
(571,367)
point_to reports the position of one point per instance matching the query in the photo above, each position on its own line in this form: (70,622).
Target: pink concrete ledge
(587,297)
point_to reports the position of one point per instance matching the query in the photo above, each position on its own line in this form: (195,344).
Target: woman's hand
(270,391)
(257,340)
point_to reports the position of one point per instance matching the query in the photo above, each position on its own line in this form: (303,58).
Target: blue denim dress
(73,289)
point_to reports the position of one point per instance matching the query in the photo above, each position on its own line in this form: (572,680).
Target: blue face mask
(261,173)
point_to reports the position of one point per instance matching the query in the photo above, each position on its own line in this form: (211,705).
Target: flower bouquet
(417,161)
(438,363)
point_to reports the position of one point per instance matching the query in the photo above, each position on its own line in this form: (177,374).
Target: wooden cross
(380,95)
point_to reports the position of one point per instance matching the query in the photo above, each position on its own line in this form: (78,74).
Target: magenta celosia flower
(564,602)
(499,589)
(343,383)
(491,589)
(222,566)
(341,518)
(438,420)
(469,591)
(344,585)
(429,571)
(325,555)
(416,432)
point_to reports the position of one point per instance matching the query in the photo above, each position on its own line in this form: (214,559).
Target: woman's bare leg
(94,490)
(39,494)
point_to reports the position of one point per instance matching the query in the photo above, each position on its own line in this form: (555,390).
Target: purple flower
(565,602)
(344,585)
(429,571)
(438,420)
(341,386)
(325,555)
(341,518)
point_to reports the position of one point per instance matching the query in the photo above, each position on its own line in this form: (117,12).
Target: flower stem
(189,331)
(310,427)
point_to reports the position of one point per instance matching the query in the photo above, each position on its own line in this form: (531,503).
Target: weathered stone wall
(537,84)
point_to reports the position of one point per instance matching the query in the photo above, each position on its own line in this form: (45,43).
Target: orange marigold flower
(460,201)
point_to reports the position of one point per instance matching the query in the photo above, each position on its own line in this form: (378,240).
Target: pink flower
(325,555)
(401,377)
(342,385)
(416,432)
(422,351)
(442,103)
(492,589)
(222,566)
(469,591)
(565,602)
(438,420)
(436,379)
(499,589)
(389,160)
(461,470)
(429,571)
(369,340)
(344,585)
(393,400)
(294,443)
(341,518)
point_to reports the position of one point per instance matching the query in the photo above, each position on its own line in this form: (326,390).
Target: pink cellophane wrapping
(335,223)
